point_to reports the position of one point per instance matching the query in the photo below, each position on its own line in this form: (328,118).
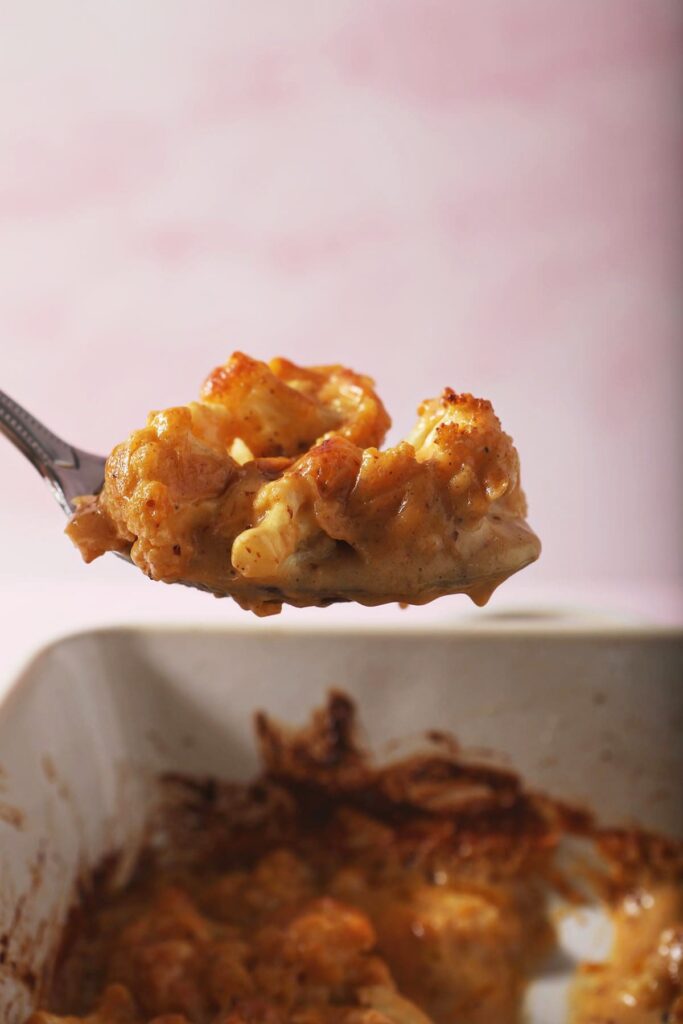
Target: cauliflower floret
(282,409)
(272,489)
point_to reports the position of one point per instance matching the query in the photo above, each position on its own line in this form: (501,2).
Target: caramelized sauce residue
(333,890)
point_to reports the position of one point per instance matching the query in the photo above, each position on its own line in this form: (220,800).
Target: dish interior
(110,712)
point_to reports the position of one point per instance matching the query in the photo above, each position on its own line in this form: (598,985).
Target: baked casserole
(336,891)
(273,488)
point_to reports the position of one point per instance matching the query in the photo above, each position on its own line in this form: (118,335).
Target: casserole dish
(96,718)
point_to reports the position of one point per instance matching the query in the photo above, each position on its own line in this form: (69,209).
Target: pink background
(485,195)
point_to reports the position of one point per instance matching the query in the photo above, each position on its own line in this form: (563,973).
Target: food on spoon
(272,489)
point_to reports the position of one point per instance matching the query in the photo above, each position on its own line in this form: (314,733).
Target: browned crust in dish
(272,488)
(335,890)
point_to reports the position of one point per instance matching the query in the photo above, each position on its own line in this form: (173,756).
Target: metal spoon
(69,471)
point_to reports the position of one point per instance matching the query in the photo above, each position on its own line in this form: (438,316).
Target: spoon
(69,471)
(72,472)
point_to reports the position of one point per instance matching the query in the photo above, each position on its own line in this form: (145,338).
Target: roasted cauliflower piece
(273,489)
(293,956)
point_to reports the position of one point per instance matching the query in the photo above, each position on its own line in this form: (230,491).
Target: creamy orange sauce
(336,891)
(273,488)
(294,938)
(642,982)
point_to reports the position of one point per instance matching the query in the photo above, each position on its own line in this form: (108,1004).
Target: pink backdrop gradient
(485,195)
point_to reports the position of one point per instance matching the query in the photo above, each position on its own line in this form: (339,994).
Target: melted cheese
(272,489)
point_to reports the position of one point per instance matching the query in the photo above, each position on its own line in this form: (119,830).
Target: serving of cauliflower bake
(334,890)
(273,488)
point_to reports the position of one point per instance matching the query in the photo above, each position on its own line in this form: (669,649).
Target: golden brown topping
(335,890)
(272,489)
(282,409)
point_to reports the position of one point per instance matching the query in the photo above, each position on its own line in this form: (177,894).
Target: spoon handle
(69,471)
(38,444)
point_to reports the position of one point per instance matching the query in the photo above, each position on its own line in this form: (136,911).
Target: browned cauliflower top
(272,488)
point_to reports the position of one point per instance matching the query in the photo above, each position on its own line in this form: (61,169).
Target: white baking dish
(592,717)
